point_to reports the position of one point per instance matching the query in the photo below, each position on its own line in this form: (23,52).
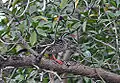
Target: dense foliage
(93,25)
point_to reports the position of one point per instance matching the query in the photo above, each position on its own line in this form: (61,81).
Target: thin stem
(44,6)
(104,43)
(28,2)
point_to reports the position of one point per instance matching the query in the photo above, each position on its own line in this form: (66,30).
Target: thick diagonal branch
(67,67)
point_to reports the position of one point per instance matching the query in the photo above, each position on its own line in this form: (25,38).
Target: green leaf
(117,13)
(92,31)
(33,73)
(111,14)
(15,2)
(76,3)
(86,80)
(91,20)
(3,49)
(31,81)
(33,38)
(41,32)
(63,3)
(87,53)
(106,60)
(19,77)
(75,24)
(118,2)
(40,18)
(104,20)
(113,3)
(21,27)
(32,9)
(84,26)
(18,47)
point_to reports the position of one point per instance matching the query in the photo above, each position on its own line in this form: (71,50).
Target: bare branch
(67,67)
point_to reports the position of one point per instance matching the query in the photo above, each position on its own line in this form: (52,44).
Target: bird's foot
(58,61)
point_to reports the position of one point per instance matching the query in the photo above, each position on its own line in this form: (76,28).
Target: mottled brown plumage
(58,46)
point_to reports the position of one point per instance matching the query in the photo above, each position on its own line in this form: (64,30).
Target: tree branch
(67,67)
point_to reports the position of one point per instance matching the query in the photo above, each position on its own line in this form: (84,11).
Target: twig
(73,9)
(8,24)
(116,36)
(41,76)
(51,77)
(5,42)
(1,4)
(9,4)
(100,76)
(3,58)
(104,43)
(44,6)
(1,74)
(54,74)
(47,44)
(86,3)
(26,45)
(14,45)
(9,81)
(8,67)
(28,2)
(36,66)
(109,23)
(41,54)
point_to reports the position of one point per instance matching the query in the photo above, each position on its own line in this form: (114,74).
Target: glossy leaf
(32,9)
(33,38)
(111,14)
(41,32)
(76,3)
(63,3)
(84,26)
(117,13)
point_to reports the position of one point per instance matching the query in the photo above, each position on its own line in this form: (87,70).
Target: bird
(58,46)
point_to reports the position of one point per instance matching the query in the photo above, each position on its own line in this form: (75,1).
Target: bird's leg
(58,61)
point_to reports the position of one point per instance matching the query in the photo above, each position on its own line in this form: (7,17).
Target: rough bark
(67,67)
